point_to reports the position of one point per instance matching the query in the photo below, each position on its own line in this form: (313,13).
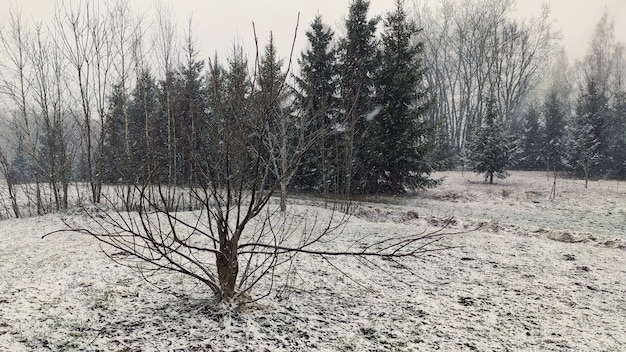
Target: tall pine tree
(357,65)
(531,141)
(317,103)
(554,132)
(143,111)
(275,111)
(398,132)
(617,140)
(114,154)
(587,142)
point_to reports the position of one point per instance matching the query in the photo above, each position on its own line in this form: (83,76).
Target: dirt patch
(568,237)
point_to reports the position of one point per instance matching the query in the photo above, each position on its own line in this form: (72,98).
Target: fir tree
(192,119)
(444,155)
(316,100)
(398,134)
(189,116)
(554,132)
(273,100)
(531,141)
(229,96)
(491,149)
(587,140)
(166,129)
(357,65)
(617,144)
(147,142)
(114,153)
(583,148)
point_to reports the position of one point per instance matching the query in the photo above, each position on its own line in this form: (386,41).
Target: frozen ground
(540,275)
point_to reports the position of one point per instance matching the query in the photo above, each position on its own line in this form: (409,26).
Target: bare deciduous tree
(472,46)
(236,235)
(7,172)
(16,71)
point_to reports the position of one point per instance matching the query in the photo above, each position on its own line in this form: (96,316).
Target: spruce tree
(192,108)
(445,155)
(617,141)
(317,103)
(273,104)
(230,99)
(554,132)
(583,149)
(143,111)
(166,129)
(188,117)
(357,65)
(492,151)
(587,141)
(399,135)
(531,141)
(114,153)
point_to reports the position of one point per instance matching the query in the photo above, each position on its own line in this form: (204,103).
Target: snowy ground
(540,275)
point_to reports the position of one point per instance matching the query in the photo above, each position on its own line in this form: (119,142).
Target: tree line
(507,97)
(577,122)
(97,96)
(93,107)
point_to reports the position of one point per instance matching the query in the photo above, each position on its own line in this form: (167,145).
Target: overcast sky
(220,22)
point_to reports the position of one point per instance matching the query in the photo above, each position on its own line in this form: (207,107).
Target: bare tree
(15,85)
(5,167)
(472,46)
(286,133)
(236,235)
(167,53)
(126,34)
(73,30)
(48,85)
(522,55)
(602,61)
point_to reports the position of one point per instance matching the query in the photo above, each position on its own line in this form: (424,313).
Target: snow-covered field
(540,275)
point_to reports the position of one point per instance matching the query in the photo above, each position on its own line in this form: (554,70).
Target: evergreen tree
(531,141)
(444,155)
(587,142)
(229,105)
(583,148)
(356,68)
(130,138)
(116,170)
(273,101)
(192,113)
(317,104)
(22,171)
(189,116)
(271,93)
(145,146)
(398,136)
(166,170)
(616,149)
(491,149)
(554,132)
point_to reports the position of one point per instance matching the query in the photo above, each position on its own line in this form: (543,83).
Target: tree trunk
(395,184)
(283,196)
(227,268)
(553,193)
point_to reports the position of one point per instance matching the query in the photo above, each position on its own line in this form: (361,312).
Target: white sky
(220,22)
(577,20)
